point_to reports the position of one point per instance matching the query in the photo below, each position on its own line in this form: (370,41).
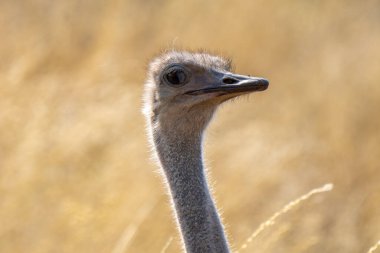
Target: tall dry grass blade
(131,230)
(287,208)
(374,247)
(167,244)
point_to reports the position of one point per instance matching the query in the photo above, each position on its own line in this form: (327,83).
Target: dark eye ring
(176,76)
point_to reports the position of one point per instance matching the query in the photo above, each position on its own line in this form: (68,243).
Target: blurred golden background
(75,168)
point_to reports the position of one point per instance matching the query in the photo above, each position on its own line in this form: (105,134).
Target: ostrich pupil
(176,77)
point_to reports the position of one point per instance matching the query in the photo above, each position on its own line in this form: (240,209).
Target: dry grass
(374,247)
(75,174)
(291,205)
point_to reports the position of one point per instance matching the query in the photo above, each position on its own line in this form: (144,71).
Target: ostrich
(183,90)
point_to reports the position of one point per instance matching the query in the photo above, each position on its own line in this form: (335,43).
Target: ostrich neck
(180,154)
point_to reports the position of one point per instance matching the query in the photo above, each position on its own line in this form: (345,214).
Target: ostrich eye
(176,76)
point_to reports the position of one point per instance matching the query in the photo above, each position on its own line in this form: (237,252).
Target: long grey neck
(180,154)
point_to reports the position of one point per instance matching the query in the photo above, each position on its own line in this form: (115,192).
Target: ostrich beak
(234,84)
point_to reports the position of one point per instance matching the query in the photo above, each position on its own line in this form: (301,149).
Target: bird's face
(184,82)
(191,84)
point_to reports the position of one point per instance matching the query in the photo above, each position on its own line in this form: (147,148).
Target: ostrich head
(185,88)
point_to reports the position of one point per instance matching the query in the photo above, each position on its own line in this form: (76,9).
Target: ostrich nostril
(229,80)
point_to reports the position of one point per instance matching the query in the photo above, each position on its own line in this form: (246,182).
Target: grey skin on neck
(180,154)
